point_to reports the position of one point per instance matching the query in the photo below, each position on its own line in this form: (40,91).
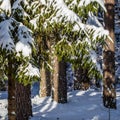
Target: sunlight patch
(80,93)
(93,94)
(95,118)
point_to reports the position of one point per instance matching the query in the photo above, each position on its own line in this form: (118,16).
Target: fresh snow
(82,105)
(6,41)
(25,40)
(32,71)
(6,6)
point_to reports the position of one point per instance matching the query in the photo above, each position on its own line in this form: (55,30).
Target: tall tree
(109,92)
(23,92)
(77,44)
(86,68)
(15,44)
(37,18)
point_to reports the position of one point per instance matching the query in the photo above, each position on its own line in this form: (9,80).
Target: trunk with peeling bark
(59,82)
(109,92)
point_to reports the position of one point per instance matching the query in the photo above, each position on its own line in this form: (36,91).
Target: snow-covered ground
(82,105)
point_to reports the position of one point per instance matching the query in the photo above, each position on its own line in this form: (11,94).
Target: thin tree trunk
(23,102)
(45,82)
(109,93)
(59,82)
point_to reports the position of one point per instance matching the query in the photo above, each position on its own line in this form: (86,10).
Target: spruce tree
(69,31)
(38,14)
(16,45)
(86,67)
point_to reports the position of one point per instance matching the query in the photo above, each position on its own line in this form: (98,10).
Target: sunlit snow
(6,6)
(82,105)
(25,40)
(32,71)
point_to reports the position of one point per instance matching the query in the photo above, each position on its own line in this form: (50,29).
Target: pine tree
(71,42)
(68,34)
(14,36)
(85,69)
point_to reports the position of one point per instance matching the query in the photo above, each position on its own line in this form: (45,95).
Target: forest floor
(82,105)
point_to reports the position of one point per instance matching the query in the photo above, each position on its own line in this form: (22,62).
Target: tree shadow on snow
(82,105)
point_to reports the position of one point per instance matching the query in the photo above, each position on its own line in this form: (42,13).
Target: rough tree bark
(109,92)
(11,93)
(23,101)
(19,97)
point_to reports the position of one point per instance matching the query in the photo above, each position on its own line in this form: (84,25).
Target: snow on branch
(32,71)
(22,35)
(25,41)
(69,15)
(6,6)
(66,12)
(6,38)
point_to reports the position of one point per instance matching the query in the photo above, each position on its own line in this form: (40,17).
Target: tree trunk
(109,93)
(23,102)
(19,98)
(82,81)
(45,82)
(59,82)
(11,93)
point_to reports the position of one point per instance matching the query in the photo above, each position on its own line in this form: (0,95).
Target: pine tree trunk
(109,93)
(59,82)
(19,97)
(23,102)
(82,81)
(11,93)
(45,82)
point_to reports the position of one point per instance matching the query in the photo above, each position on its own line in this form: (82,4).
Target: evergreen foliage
(16,41)
(71,39)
